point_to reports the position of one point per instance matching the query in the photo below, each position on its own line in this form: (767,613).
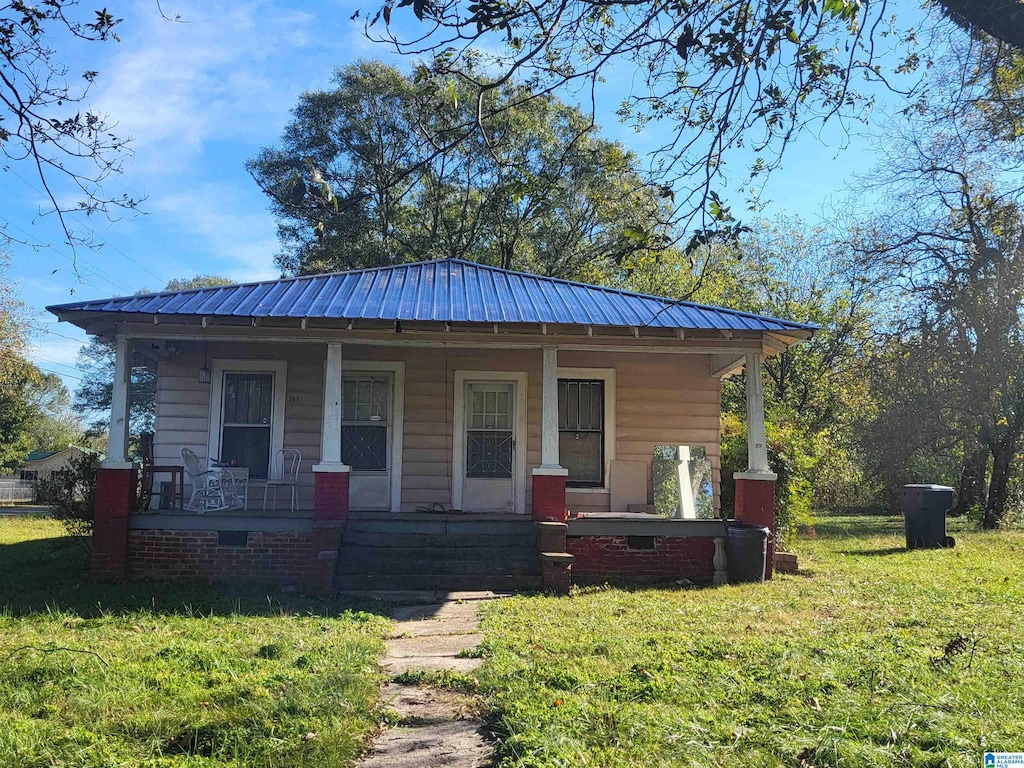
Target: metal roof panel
(446,290)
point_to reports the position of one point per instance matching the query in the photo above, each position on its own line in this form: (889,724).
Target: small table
(177,474)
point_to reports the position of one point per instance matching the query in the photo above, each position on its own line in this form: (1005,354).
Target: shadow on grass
(52,574)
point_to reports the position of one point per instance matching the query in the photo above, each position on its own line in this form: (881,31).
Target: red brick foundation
(330,511)
(755,505)
(609,558)
(265,558)
(548,500)
(115,499)
(330,495)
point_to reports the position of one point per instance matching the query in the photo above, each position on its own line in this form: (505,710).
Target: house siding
(661,399)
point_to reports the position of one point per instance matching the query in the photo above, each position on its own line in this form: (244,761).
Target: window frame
(607,376)
(279,369)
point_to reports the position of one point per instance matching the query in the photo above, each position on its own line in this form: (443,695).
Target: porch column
(548,499)
(330,481)
(755,488)
(116,479)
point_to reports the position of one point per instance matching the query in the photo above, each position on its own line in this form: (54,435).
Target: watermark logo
(1004,760)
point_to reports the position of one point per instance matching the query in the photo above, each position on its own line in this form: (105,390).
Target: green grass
(837,666)
(173,674)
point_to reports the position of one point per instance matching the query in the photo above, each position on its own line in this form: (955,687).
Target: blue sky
(200,98)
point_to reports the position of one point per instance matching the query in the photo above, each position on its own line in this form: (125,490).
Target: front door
(366,419)
(490,445)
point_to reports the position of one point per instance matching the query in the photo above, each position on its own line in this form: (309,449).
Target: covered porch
(529,412)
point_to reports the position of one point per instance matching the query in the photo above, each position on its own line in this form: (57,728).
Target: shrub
(72,494)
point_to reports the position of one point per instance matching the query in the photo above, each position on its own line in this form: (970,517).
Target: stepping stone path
(438,727)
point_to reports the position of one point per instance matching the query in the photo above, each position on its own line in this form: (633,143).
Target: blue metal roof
(446,290)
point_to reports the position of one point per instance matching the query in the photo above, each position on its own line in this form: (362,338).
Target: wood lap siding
(661,399)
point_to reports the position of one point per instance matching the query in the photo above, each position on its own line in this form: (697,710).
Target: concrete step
(440,527)
(360,565)
(445,582)
(438,554)
(526,540)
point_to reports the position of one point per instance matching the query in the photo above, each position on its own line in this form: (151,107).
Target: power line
(94,271)
(63,336)
(59,373)
(105,242)
(54,362)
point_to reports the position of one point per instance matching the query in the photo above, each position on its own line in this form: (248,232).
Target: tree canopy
(379,169)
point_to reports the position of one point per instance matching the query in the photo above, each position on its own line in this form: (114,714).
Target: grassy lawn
(843,665)
(146,674)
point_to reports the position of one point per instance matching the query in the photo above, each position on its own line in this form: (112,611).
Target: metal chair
(284,473)
(213,490)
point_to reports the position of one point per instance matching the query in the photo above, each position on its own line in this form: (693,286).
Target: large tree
(724,78)
(364,177)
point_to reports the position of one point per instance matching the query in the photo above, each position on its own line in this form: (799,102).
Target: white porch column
(117,446)
(330,436)
(757,442)
(549,411)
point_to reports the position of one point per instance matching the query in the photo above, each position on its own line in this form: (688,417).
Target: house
(459,426)
(42,465)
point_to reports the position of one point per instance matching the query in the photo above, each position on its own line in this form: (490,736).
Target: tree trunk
(999,487)
(971,490)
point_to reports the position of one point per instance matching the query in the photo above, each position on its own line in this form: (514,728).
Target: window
(365,419)
(246,421)
(581,431)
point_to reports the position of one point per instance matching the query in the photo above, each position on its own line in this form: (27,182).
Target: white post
(757,442)
(330,435)
(687,507)
(117,445)
(549,407)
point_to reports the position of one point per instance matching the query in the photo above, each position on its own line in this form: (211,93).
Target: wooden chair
(286,468)
(150,469)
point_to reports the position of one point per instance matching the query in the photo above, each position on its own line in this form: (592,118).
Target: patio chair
(284,474)
(213,490)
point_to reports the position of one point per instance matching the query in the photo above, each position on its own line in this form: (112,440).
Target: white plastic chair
(213,490)
(284,473)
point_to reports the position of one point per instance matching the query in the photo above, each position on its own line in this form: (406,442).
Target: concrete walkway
(438,727)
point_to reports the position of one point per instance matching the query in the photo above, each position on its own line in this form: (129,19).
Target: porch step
(442,554)
(525,540)
(446,552)
(439,582)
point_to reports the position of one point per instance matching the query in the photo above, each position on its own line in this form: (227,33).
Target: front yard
(856,662)
(871,657)
(98,676)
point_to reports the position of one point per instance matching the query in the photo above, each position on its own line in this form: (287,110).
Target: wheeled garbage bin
(746,547)
(924,515)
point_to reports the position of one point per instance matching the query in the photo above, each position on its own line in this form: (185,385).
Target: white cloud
(230,72)
(228,225)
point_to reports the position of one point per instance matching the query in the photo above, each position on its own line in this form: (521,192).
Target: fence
(16,492)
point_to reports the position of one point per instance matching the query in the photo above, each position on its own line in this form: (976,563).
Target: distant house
(41,465)
(460,427)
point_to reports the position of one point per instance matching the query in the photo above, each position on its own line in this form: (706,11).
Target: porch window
(246,421)
(581,431)
(365,419)
(489,438)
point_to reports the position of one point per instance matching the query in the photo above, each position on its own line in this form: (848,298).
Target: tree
(96,363)
(364,178)
(721,76)
(951,247)
(42,122)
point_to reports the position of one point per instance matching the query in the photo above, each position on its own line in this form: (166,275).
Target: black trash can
(746,547)
(924,515)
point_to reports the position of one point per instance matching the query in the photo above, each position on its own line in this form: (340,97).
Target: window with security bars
(365,420)
(581,431)
(489,441)
(248,404)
